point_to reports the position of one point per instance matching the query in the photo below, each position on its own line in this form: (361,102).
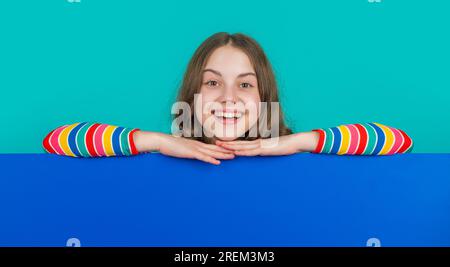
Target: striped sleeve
(363,139)
(87,139)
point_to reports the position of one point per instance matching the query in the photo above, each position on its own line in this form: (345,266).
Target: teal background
(121,62)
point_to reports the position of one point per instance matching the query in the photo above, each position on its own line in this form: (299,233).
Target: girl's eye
(247,85)
(211,83)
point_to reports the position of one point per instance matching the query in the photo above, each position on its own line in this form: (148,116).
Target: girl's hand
(181,147)
(284,145)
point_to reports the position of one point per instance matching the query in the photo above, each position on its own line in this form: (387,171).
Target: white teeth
(227,114)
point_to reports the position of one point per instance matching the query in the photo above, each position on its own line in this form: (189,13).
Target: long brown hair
(267,86)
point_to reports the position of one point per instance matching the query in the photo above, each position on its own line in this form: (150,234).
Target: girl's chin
(229,135)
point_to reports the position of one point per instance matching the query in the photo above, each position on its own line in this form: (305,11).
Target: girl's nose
(229,94)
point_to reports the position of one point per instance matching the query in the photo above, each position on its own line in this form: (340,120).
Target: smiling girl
(226,83)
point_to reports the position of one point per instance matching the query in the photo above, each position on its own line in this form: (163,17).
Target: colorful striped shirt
(87,139)
(363,139)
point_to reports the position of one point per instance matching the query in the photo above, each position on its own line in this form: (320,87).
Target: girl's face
(229,94)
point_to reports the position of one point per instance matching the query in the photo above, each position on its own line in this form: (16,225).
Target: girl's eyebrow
(218,73)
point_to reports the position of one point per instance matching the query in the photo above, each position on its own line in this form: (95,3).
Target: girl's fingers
(219,142)
(241,146)
(251,152)
(206,158)
(217,148)
(217,154)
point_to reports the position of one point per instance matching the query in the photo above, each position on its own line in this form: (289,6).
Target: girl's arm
(350,139)
(89,139)
(362,139)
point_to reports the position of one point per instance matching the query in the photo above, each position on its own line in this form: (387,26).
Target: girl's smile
(228,116)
